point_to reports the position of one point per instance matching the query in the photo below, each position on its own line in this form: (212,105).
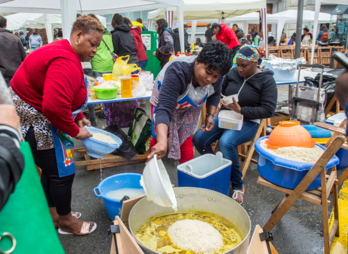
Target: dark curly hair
(162,24)
(217,55)
(87,24)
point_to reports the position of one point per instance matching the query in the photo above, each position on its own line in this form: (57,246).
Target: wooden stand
(108,161)
(319,196)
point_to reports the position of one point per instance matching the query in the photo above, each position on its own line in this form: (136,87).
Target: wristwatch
(209,114)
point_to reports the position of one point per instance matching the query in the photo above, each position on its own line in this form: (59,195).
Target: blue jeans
(98,74)
(228,142)
(142,65)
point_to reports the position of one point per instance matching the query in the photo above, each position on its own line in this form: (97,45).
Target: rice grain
(195,235)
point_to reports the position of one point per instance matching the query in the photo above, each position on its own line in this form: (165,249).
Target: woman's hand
(82,122)
(8,116)
(83,133)
(154,53)
(160,149)
(209,123)
(233,106)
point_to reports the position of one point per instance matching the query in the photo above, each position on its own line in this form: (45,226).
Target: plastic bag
(139,91)
(121,68)
(127,149)
(146,78)
(140,130)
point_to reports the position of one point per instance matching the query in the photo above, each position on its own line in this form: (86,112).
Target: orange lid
(289,133)
(96,84)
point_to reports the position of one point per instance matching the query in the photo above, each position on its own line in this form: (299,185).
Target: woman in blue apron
(180,90)
(49,92)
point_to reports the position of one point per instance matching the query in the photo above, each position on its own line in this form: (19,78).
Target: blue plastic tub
(342,154)
(317,132)
(97,148)
(320,133)
(286,173)
(208,171)
(114,182)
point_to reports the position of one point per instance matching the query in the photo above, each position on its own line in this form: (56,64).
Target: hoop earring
(77,42)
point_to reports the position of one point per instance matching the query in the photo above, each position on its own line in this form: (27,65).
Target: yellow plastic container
(135,77)
(126,86)
(107,76)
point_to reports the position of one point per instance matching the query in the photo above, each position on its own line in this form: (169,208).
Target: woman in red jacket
(49,93)
(138,41)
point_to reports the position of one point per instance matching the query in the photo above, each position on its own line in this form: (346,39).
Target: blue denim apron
(64,146)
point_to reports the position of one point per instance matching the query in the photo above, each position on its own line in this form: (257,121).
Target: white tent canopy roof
(287,16)
(37,20)
(204,9)
(86,6)
(69,8)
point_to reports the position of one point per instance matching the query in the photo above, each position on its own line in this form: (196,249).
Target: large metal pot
(194,199)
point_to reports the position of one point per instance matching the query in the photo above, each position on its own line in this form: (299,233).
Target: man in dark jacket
(208,33)
(144,28)
(122,39)
(236,29)
(177,40)
(11,51)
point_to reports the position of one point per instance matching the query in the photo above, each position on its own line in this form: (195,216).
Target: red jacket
(139,46)
(227,36)
(51,80)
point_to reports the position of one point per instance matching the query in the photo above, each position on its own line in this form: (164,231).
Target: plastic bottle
(269,129)
(92,91)
(256,40)
(172,57)
(183,54)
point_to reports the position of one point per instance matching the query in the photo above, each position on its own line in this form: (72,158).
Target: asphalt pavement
(299,231)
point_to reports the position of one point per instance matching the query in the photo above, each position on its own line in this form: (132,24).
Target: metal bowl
(189,200)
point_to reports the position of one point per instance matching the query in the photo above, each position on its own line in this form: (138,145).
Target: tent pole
(193,31)
(299,28)
(69,11)
(315,32)
(180,17)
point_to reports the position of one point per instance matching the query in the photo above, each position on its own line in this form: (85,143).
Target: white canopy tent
(39,20)
(281,18)
(290,16)
(316,17)
(69,8)
(200,9)
(207,9)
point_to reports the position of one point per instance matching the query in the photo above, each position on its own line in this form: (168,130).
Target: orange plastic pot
(289,133)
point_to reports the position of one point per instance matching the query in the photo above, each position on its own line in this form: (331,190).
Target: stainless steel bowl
(194,199)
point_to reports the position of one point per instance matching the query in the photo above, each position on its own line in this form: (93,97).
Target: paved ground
(299,232)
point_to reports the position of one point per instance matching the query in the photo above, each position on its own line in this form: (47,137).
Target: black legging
(57,189)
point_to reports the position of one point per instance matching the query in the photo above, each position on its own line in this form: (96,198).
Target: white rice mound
(103,137)
(293,153)
(195,235)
